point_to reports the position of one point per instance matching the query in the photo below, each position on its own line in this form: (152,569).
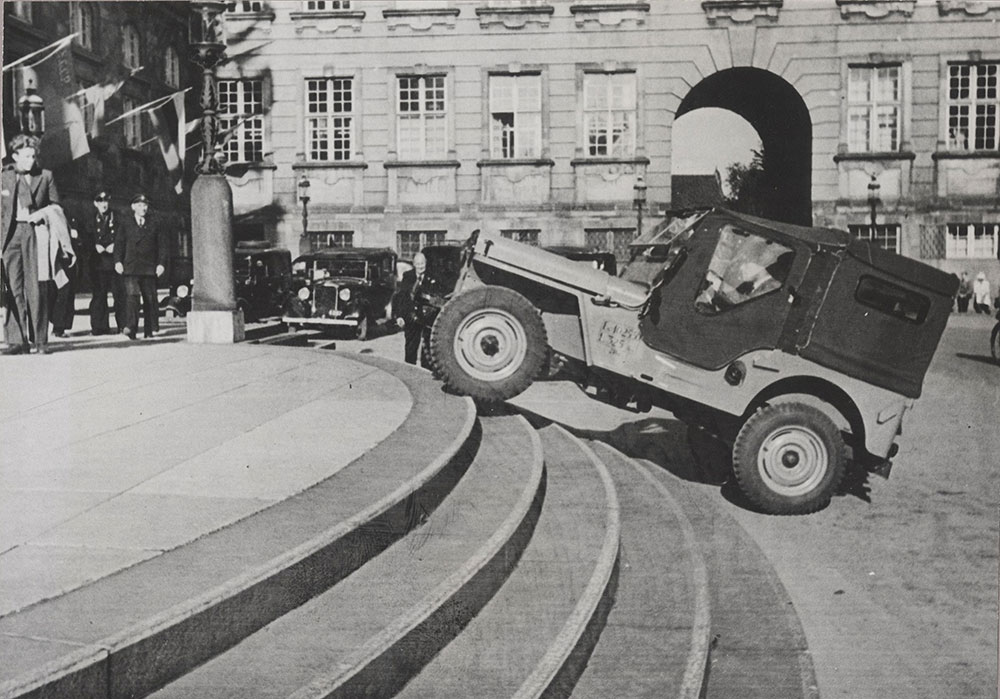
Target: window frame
(251,123)
(132,128)
(881,235)
(528,236)
(872,103)
(532,113)
(951,251)
(84,22)
(972,103)
(423,116)
(423,239)
(171,67)
(592,149)
(131,46)
(326,5)
(331,116)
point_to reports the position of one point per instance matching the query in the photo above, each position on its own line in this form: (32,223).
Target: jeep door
(728,292)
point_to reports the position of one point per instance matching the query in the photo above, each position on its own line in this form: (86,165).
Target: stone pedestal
(215,327)
(214,317)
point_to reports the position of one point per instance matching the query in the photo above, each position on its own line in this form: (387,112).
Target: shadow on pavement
(981,358)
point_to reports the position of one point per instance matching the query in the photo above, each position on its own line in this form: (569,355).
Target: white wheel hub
(490,345)
(793,460)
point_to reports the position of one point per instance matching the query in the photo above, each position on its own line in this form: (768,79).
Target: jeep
(800,349)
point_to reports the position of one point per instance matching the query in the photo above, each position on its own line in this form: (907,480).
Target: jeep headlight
(345,294)
(304,293)
(183,291)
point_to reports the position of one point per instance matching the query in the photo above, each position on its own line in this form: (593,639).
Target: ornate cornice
(514,17)
(970,7)
(876,9)
(604,15)
(741,11)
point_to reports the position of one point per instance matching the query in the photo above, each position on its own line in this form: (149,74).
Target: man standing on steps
(101,231)
(140,257)
(408,308)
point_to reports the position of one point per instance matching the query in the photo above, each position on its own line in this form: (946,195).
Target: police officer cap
(140,199)
(102,196)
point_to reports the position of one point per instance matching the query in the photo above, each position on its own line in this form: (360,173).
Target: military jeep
(798,348)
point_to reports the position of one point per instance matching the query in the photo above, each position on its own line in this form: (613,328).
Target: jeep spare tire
(488,343)
(789,459)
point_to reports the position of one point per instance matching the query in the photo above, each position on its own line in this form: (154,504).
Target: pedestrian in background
(964,292)
(140,257)
(408,307)
(100,233)
(981,297)
(64,298)
(24,189)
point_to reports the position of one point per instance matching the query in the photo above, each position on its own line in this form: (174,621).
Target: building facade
(416,121)
(144,43)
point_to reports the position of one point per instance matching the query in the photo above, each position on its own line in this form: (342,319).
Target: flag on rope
(54,80)
(169,126)
(93,98)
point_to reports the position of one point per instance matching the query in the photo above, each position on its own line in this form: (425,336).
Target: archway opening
(778,115)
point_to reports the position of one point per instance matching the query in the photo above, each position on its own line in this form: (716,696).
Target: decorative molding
(421,20)
(603,15)
(266,15)
(514,17)
(876,9)
(389,164)
(330,165)
(966,155)
(328,22)
(516,162)
(875,157)
(741,11)
(578,162)
(969,7)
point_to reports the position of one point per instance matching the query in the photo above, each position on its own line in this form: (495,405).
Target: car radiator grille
(325,300)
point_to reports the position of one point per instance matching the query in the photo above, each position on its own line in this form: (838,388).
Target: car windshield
(648,252)
(340,267)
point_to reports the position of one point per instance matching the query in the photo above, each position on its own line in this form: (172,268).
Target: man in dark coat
(25,188)
(140,257)
(62,309)
(410,312)
(101,233)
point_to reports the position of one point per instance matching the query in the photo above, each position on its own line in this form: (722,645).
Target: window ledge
(576,162)
(876,9)
(389,164)
(330,165)
(86,54)
(606,14)
(896,155)
(262,165)
(514,162)
(514,17)
(327,21)
(741,11)
(423,19)
(969,7)
(329,14)
(966,155)
(252,16)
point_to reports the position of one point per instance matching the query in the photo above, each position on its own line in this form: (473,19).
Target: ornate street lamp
(639,202)
(304,198)
(208,45)
(873,200)
(31,113)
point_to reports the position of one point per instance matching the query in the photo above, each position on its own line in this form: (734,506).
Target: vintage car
(800,349)
(342,287)
(261,274)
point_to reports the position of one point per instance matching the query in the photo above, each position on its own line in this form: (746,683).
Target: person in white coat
(981,297)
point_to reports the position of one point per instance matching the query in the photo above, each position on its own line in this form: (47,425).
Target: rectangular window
(972,240)
(326,5)
(609,114)
(521,235)
(874,95)
(319,240)
(89,108)
(886,236)
(616,240)
(892,300)
(515,116)
(330,118)
(133,124)
(246,6)
(422,126)
(241,120)
(409,243)
(973,106)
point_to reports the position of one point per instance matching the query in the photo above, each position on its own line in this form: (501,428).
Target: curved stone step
(660,619)
(533,638)
(374,630)
(128,634)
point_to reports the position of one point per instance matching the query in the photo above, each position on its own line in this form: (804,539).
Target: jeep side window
(893,300)
(744,266)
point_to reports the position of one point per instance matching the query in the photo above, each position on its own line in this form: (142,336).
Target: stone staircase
(465,555)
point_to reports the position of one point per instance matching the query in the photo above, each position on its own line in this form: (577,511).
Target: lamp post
(873,200)
(304,198)
(214,317)
(31,112)
(639,202)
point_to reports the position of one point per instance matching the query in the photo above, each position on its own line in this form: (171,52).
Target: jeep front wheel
(488,343)
(789,459)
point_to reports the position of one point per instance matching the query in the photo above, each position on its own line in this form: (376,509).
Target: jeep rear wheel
(488,343)
(789,459)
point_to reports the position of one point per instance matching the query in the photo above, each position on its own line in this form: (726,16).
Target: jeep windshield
(648,252)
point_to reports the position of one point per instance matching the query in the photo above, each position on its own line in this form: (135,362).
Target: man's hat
(102,196)
(140,199)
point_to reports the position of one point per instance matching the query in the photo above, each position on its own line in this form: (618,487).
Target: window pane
(744,266)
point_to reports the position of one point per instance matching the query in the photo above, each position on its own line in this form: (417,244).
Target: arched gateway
(780,117)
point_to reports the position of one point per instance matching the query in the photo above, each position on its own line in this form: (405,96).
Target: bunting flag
(54,80)
(95,97)
(169,126)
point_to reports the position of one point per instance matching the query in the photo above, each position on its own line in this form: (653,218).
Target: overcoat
(140,248)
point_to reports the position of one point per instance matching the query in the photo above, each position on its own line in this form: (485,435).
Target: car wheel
(488,343)
(361,332)
(789,459)
(995,343)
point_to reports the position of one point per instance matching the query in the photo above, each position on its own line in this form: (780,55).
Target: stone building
(415,121)
(115,38)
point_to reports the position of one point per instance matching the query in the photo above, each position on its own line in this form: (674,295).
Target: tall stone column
(214,317)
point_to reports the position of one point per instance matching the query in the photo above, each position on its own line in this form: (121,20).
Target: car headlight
(183,291)
(345,294)
(304,293)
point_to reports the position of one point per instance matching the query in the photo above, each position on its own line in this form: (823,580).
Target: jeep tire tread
(488,343)
(789,459)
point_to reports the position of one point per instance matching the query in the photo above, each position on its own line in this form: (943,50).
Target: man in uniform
(140,257)
(101,234)
(24,189)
